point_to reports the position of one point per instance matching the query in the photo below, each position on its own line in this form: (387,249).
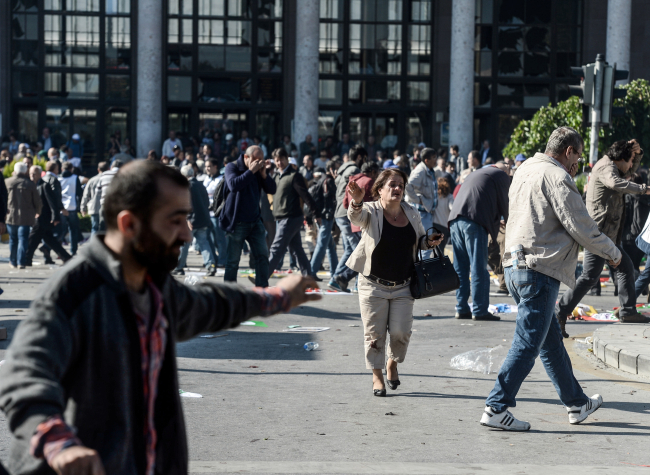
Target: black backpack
(316,192)
(219,197)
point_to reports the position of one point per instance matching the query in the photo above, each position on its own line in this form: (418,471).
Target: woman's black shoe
(393,384)
(379,392)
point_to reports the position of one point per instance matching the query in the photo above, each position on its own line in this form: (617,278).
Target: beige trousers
(385,310)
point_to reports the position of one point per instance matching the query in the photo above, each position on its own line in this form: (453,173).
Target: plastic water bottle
(191,280)
(310,345)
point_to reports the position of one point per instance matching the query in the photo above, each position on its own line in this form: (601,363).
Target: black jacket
(50,190)
(4,197)
(483,198)
(291,188)
(80,348)
(200,215)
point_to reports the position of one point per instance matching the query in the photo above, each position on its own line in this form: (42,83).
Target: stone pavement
(269,406)
(624,346)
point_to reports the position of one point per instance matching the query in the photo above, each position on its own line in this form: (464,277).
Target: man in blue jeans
(421,191)
(480,208)
(325,188)
(548,223)
(241,217)
(217,235)
(199,223)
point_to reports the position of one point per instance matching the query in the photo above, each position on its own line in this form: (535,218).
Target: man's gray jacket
(422,188)
(79,353)
(347,170)
(549,219)
(605,200)
(90,200)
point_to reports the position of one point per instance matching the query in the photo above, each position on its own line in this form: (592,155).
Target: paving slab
(624,346)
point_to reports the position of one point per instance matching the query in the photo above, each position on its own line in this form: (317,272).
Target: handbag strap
(436,249)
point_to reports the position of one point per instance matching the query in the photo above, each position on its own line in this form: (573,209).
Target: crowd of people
(525,218)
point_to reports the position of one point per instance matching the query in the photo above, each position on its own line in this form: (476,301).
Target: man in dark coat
(100,340)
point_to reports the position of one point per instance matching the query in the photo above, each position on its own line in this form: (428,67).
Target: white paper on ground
(307,329)
(186,394)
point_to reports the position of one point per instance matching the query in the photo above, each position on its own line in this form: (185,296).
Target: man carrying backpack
(323,191)
(240,216)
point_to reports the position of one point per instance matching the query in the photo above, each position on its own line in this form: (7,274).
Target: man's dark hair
(280,152)
(358,153)
(561,138)
(214,162)
(117,164)
(621,150)
(476,155)
(369,167)
(136,188)
(428,153)
(68,166)
(333,165)
(455,148)
(102,166)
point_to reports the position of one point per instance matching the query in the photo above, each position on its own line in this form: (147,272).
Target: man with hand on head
(100,340)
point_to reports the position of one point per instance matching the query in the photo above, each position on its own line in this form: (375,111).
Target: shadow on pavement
(10,325)
(324,313)
(15,303)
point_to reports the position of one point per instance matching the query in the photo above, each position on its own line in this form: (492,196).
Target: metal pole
(596,108)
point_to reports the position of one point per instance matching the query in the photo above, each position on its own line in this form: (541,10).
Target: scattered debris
(191,280)
(253,366)
(390,414)
(254,323)
(293,326)
(214,336)
(186,394)
(311,345)
(353,325)
(427,315)
(307,329)
(482,360)
(502,308)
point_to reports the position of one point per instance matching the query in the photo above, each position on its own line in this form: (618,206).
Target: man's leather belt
(386,283)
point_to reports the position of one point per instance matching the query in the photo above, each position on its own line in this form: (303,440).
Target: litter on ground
(254,323)
(186,394)
(481,360)
(307,329)
(502,308)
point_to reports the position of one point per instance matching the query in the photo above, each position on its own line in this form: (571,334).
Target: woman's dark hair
(384,178)
(621,150)
(443,187)
(136,188)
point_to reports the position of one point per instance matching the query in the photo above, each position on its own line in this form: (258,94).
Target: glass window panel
(118,87)
(116,119)
(419,93)
(421,10)
(173,31)
(331,9)
(266,127)
(538,39)
(238,58)
(269,90)
(269,60)
(82,41)
(211,32)
(483,63)
(419,57)
(172,7)
(569,13)
(179,121)
(28,125)
(118,42)
(24,53)
(57,119)
(25,84)
(212,7)
(511,12)
(536,64)
(510,95)
(53,84)
(179,58)
(239,33)
(373,92)
(562,92)
(118,7)
(179,88)
(52,4)
(24,27)
(239,8)
(330,48)
(225,90)
(484,10)
(187,7)
(536,96)
(510,64)
(85,124)
(269,9)
(82,86)
(482,94)
(187,32)
(330,91)
(329,124)
(269,34)
(507,124)
(568,38)
(511,38)
(388,10)
(82,5)
(483,38)
(564,61)
(538,12)
(25,6)
(212,58)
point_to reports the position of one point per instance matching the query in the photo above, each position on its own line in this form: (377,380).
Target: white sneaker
(579,414)
(504,420)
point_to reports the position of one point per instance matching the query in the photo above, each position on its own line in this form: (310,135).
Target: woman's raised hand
(356,192)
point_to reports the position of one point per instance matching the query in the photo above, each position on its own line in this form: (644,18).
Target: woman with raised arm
(391,230)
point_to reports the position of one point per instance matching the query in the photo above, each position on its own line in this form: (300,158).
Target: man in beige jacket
(547,222)
(605,204)
(24,204)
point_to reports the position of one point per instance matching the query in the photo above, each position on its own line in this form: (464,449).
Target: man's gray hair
(187,171)
(428,153)
(37,168)
(561,138)
(20,168)
(250,151)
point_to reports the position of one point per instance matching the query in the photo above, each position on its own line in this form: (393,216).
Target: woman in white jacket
(391,230)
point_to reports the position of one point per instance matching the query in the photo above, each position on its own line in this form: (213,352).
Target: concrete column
(619,24)
(461,90)
(305,117)
(149,77)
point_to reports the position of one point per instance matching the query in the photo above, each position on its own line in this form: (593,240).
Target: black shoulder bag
(433,276)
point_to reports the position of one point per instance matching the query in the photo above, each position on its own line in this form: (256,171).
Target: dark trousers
(254,233)
(44,232)
(496,248)
(287,234)
(592,267)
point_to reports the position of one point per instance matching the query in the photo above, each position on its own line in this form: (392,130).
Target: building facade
(404,71)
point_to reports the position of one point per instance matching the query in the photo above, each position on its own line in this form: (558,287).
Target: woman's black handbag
(434,276)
